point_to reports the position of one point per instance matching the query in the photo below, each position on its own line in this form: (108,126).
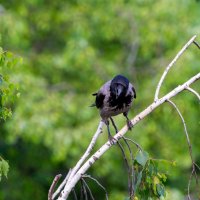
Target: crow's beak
(119,90)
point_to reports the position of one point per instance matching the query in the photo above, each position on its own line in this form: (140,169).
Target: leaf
(142,157)
(156,181)
(139,178)
(4,167)
(160,190)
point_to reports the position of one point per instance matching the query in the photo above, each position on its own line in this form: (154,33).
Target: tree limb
(80,162)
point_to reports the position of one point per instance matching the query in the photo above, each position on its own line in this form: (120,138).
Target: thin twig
(82,193)
(53,185)
(75,196)
(189,182)
(90,192)
(135,143)
(185,128)
(171,64)
(131,170)
(196,44)
(99,184)
(197,166)
(189,146)
(193,91)
(84,190)
(127,165)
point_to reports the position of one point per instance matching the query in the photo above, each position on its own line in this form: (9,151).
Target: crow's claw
(112,140)
(129,124)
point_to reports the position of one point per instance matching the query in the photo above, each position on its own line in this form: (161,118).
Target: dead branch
(51,190)
(61,185)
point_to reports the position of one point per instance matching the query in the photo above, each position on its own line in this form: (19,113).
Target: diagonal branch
(89,149)
(61,185)
(83,158)
(171,64)
(68,187)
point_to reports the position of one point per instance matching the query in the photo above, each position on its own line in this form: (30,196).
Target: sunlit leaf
(4,167)
(142,157)
(160,190)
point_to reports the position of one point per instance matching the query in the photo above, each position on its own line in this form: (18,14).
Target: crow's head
(119,86)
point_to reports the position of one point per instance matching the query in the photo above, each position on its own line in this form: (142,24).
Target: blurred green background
(69,49)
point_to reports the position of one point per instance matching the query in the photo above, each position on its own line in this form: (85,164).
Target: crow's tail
(93,105)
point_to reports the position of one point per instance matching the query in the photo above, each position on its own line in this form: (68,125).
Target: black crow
(113,98)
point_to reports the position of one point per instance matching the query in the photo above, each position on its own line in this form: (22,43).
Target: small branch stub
(55,181)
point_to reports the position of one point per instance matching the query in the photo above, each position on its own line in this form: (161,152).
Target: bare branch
(171,64)
(127,166)
(194,92)
(84,189)
(75,196)
(90,192)
(189,146)
(196,44)
(92,178)
(189,183)
(68,187)
(185,128)
(130,170)
(55,181)
(135,143)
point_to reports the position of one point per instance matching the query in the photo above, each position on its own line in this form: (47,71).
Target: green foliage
(8,89)
(151,176)
(8,94)
(4,167)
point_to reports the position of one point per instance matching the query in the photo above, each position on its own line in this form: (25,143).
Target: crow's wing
(102,94)
(99,100)
(134,92)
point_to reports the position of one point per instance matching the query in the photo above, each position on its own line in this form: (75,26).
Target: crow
(113,98)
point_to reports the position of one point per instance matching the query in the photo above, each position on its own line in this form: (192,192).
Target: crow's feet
(112,140)
(129,124)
